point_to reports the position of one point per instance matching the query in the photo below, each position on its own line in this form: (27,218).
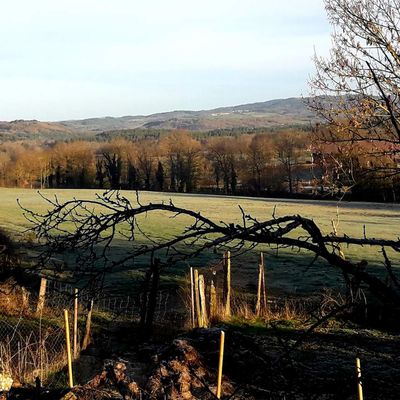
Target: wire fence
(31,349)
(117,306)
(32,341)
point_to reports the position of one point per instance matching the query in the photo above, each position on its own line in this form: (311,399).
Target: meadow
(288,271)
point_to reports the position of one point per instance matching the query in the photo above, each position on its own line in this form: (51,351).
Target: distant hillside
(268,114)
(33,129)
(271,113)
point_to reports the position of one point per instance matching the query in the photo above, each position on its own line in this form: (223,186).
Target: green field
(287,270)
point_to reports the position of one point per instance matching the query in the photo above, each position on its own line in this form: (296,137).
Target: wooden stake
(258,304)
(197,298)
(213,301)
(227,284)
(220,363)
(38,388)
(68,343)
(42,296)
(263,300)
(359,383)
(192,298)
(261,304)
(86,339)
(25,299)
(203,309)
(76,323)
(263,289)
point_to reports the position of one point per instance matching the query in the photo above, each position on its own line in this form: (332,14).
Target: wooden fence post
(227,284)
(145,298)
(151,309)
(192,298)
(68,343)
(263,286)
(86,339)
(359,383)
(258,304)
(213,301)
(75,323)
(197,298)
(261,304)
(38,388)
(202,295)
(25,298)
(220,364)
(42,296)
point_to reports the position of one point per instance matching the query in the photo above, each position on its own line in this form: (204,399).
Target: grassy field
(287,271)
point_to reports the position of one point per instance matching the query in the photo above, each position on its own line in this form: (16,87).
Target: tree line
(177,162)
(285,163)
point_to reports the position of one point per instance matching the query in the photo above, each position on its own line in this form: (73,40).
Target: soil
(259,363)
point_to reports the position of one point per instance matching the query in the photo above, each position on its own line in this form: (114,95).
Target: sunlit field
(287,270)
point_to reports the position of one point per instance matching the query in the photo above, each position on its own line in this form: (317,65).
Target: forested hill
(271,114)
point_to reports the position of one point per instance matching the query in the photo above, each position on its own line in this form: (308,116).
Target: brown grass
(243,307)
(25,356)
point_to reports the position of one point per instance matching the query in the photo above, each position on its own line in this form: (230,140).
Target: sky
(70,59)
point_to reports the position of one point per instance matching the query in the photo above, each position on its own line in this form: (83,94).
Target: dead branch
(88,230)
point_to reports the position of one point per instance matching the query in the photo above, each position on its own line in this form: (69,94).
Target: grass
(287,270)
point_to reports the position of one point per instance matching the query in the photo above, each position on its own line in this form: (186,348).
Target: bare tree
(146,163)
(100,172)
(113,166)
(99,224)
(183,152)
(357,87)
(223,153)
(259,155)
(288,148)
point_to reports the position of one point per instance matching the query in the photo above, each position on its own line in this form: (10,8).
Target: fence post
(261,304)
(25,298)
(220,364)
(197,298)
(42,296)
(359,383)
(227,284)
(192,298)
(145,298)
(263,287)
(202,294)
(75,323)
(258,304)
(68,343)
(38,388)
(153,295)
(213,301)
(86,339)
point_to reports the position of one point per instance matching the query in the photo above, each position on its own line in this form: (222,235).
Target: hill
(269,114)
(273,113)
(33,129)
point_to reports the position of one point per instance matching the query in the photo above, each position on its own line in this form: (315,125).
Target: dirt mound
(258,365)
(182,374)
(111,383)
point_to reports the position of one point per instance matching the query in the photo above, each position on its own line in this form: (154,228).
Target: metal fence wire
(32,343)
(31,348)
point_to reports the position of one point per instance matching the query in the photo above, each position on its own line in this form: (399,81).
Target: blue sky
(77,59)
